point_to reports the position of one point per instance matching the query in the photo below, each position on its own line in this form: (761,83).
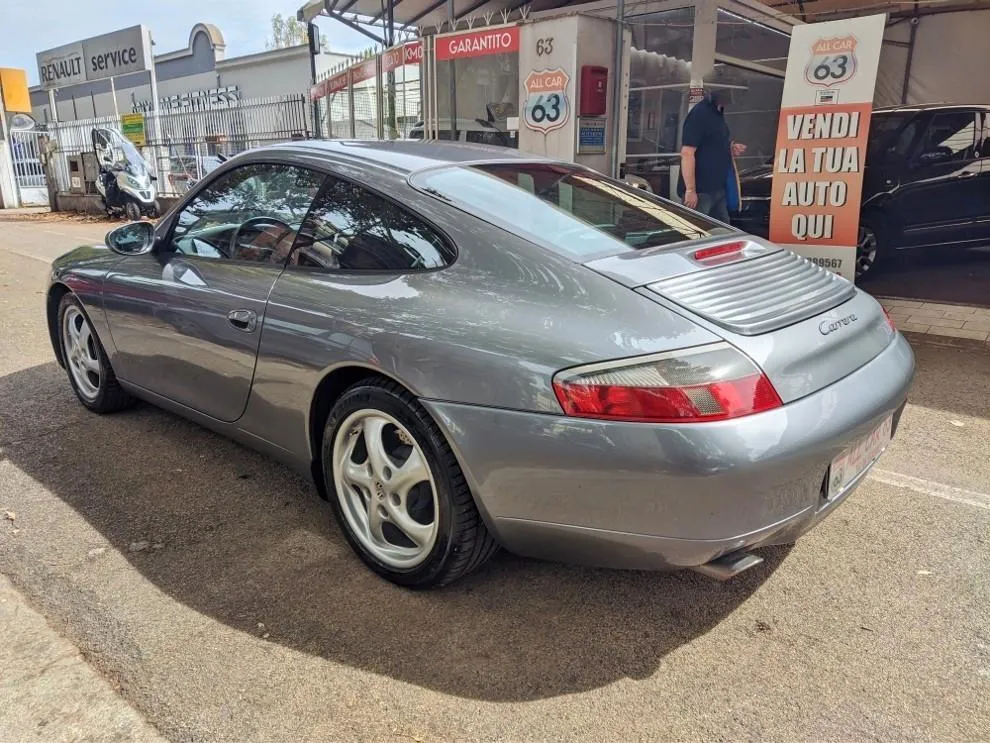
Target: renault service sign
(109,55)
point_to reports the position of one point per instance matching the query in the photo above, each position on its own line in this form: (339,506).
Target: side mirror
(136,238)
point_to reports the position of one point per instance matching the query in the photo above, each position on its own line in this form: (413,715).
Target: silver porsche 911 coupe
(469,348)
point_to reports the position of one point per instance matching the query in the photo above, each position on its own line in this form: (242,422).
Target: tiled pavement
(946,320)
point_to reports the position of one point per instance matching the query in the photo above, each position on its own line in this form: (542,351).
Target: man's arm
(688,173)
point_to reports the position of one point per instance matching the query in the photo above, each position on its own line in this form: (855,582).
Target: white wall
(949,65)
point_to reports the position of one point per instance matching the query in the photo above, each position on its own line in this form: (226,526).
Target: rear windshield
(573,211)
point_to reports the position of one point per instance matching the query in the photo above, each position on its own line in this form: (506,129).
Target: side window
(352,229)
(905,139)
(252,213)
(983,146)
(950,137)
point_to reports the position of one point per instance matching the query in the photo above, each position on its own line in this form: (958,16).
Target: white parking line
(927,487)
(55,232)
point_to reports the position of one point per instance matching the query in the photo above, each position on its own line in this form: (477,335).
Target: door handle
(968,174)
(246,320)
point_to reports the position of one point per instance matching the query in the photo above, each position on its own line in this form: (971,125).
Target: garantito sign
(110,55)
(821,139)
(499,40)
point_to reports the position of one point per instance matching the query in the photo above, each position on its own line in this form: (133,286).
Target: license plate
(847,466)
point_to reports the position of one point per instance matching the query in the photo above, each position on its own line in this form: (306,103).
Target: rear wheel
(89,371)
(397,490)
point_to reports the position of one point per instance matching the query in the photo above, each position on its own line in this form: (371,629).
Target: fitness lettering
(839,154)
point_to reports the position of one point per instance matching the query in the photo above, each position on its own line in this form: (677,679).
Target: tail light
(694,385)
(890,320)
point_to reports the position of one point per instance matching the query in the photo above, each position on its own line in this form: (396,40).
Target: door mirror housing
(136,238)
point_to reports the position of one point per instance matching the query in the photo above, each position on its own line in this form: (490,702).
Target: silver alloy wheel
(385,488)
(866,250)
(81,354)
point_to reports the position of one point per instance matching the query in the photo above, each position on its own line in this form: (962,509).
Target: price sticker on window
(547,105)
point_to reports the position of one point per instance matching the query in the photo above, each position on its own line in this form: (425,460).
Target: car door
(938,201)
(186,319)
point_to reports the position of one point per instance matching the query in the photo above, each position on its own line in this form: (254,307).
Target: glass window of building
(752,109)
(660,79)
(485,93)
(748,40)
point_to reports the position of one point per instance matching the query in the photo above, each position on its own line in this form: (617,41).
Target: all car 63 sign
(832,62)
(547,107)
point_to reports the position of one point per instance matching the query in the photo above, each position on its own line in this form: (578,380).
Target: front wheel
(397,490)
(86,362)
(132,211)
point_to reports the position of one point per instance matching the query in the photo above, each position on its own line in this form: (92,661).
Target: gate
(28,170)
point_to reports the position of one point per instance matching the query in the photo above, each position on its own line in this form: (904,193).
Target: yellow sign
(132,127)
(14,87)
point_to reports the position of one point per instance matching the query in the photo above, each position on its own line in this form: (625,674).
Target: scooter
(125,182)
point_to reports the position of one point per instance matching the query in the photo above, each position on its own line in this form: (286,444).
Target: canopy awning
(413,13)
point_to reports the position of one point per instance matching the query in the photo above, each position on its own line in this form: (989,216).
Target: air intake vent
(758,295)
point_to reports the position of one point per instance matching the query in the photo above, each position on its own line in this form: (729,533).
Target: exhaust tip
(730,565)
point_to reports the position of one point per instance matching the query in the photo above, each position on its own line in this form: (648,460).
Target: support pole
(314,47)
(51,105)
(113,93)
(915,21)
(453,78)
(620,18)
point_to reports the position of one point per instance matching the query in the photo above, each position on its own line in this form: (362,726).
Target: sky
(31,26)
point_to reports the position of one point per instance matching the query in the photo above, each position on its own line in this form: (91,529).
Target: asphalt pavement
(210,588)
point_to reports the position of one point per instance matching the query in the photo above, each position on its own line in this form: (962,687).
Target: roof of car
(406,155)
(930,107)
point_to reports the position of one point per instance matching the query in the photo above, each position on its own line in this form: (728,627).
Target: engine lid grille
(758,295)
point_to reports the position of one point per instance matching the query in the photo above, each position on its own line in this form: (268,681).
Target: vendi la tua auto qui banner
(821,139)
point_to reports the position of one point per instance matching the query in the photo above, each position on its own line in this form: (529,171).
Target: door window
(353,229)
(983,146)
(950,137)
(252,213)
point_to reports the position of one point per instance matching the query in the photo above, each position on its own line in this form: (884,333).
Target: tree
(289,32)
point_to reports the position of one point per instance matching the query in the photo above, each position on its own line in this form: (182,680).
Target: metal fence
(182,146)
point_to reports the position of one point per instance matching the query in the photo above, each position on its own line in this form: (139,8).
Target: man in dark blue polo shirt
(706,158)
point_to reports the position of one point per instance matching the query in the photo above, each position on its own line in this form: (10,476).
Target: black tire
(110,396)
(156,210)
(866,267)
(132,211)
(463,543)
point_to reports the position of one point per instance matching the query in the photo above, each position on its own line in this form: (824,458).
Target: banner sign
(333,84)
(110,55)
(499,40)
(546,107)
(821,139)
(365,71)
(411,53)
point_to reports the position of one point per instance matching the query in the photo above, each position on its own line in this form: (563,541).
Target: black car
(926,184)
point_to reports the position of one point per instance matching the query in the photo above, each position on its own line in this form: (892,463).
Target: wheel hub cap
(385,488)
(82,357)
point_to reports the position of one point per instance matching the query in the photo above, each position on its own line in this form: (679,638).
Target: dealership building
(196,76)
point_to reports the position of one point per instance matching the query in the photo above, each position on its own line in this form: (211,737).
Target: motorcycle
(125,182)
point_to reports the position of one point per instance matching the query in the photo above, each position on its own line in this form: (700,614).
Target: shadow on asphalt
(956,380)
(245,541)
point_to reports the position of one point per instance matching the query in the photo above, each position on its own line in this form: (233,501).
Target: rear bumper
(665,496)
